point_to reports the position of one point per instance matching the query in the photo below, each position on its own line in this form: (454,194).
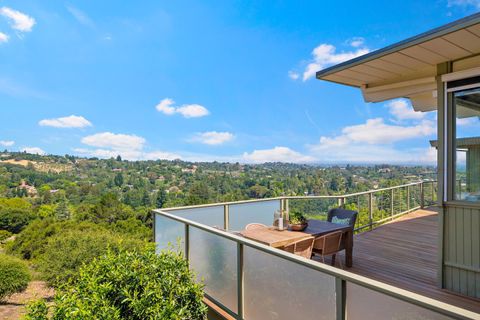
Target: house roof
(408,68)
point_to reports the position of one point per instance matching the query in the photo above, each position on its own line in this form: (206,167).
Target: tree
(61,211)
(118,180)
(119,158)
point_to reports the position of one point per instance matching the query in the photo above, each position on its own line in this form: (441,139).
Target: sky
(208,80)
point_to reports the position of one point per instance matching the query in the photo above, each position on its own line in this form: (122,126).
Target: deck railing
(249,280)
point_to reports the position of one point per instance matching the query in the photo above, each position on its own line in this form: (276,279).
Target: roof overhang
(408,69)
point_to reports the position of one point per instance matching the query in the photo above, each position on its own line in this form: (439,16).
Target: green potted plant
(297,220)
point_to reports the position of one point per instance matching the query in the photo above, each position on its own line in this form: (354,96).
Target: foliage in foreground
(14,276)
(128,285)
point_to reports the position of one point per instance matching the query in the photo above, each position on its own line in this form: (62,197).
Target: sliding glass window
(466,143)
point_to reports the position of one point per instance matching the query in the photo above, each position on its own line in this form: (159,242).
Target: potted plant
(297,221)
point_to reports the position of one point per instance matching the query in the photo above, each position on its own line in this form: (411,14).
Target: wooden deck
(403,253)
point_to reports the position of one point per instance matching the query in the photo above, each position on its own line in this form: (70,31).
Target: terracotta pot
(298,227)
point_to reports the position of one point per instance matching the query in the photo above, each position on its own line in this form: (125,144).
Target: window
(466,103)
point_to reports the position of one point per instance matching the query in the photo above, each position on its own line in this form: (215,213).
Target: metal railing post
(370,210)
(187,242)
(287,209)
(433,192)
(226,216)
(240,282)
(422,196)
(392,206)
(341,298)
(408,198)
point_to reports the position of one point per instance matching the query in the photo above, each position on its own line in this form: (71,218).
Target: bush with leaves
(15,219)
(4,235)
(14,276)
(66,252)
(31,242)
(129,285)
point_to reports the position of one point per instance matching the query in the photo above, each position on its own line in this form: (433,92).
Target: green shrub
(14,219)
(129,285)
(65,253)
(14,276)
(31,242)
(4,235)
(37,310)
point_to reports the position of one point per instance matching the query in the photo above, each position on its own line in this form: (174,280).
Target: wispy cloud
(212,138)
(293,75)
(81,16)
(356,42)
(7,143)
(166,106)
(33,150)
(72,121)
(18,20)
(464,3)
(3,37)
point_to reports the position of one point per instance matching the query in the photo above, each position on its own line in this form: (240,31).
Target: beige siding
(462,249)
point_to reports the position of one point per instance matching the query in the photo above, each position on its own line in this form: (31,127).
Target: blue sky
(207,80)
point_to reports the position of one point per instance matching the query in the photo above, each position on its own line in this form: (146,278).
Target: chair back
(254,226)
(301,248)
(341,214)
(331,243)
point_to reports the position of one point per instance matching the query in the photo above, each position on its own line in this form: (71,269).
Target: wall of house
(461,248)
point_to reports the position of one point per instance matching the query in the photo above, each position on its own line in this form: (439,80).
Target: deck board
(403,253)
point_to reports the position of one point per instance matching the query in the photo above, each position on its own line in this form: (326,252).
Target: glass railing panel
(244,213)
(277,288)
(210,216)
(316,208)
(169,234)
(364,303)
(214,260)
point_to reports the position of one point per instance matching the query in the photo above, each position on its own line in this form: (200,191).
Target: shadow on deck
(403,253)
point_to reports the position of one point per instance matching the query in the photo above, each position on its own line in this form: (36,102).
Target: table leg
(349,249)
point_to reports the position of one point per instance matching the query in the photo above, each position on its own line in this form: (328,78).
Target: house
(423,264)
(31,190)
(438,70)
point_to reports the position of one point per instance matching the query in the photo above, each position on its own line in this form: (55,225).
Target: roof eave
(420,38)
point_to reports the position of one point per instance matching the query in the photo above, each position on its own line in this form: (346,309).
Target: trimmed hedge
(14,276)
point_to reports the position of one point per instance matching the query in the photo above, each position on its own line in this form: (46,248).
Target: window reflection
(467,144)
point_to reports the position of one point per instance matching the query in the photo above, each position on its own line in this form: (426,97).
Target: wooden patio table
(316,228)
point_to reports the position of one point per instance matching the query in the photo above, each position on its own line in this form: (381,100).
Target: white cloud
(402,110)
(467,121)
(325,55)
(7,143)
(130,147)
(376,131)
(356,42)
(66,122)
(293,75)
(192,111)
(167,107)
(373,142)
(19,21)
(3,37)
(33,150)
(114,141)
(277,154)
(81,16)
(212,137)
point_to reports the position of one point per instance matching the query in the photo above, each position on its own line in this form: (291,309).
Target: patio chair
(328,245)
(301,248)
(253,226)
(342,216)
